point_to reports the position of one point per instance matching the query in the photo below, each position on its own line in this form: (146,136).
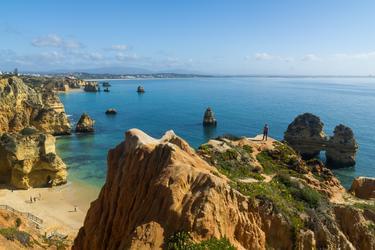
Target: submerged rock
(342,147)
(363,187)
(111,112)
(28,159)
(85,124)
(22,106)
(209,118)
(140,89)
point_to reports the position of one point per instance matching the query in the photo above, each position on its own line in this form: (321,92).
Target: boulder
(28,159)
(209,118)
(363,187)
(140,89)
(305,135)
(342,147)
(110,112)
(85,124)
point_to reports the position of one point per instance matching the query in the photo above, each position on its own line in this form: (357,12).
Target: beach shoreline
(62,208)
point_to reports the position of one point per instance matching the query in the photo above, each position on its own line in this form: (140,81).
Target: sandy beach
(56,205)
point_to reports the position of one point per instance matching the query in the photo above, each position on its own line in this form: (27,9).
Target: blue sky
(222,36)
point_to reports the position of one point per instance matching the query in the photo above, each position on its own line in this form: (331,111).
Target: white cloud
(310,57)
(119,47)
(56,41)
(363,56)
(263,56)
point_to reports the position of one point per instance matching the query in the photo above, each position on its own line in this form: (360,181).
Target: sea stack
(140,89)
(110,112)
(209,118)
(85,124)
(305,135)
(342,147)
(91,86)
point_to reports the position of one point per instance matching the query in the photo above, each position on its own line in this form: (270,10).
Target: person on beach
(265,132)
(31,199)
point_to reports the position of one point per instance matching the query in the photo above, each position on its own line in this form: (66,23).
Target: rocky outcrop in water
(209,118)
(341,147)
(156,189)
(363,187)
(22,106)
(140,89)
(305,134)
(91,86)
(85,124)
(28,159)
(110,112)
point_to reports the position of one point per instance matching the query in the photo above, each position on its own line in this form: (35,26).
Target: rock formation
(28,159)
(22,106)
(157,188)
(305,134)
(111,111)
(91,86)
(363,187)
(140,89)
(85,124)
(342,147)
(209,118)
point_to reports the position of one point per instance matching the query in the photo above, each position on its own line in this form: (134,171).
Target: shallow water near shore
(241,106)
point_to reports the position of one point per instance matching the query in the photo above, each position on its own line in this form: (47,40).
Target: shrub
(183,241)
(14,234)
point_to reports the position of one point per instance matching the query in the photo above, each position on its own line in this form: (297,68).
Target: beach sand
(56,205)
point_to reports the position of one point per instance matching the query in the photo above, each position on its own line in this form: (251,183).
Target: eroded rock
(28,159)
(85,124)
(209,118)
(363,187)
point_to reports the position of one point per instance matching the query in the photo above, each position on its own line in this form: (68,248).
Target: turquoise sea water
(241,105)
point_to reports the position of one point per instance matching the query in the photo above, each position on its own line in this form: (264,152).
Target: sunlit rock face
(28,159)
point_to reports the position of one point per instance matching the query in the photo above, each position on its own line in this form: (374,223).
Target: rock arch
(306,135)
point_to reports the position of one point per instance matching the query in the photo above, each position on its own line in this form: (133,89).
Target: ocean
(242,106)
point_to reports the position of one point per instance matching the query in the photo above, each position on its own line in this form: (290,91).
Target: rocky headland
(242,193)
(29,117)
(306,135)
(22,106)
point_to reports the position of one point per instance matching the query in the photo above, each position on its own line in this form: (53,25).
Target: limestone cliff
(22,106)
(28,159)
(256,194)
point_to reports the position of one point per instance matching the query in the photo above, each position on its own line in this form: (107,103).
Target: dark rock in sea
(341,147)
(305,135)
(106,89)
(111,112)
(85,124)
(91,86)
(140,89)
(106,84)
(209,118)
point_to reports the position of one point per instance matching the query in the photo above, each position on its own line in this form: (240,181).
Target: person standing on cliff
(265,132)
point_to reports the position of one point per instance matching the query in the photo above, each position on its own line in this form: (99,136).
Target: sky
(291,37)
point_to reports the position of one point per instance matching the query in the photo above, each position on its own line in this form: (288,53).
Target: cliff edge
(254,195)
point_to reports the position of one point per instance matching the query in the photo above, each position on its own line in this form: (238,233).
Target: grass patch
(13,234)
(59,244)
(365,206)
(235,162)
(183,241)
